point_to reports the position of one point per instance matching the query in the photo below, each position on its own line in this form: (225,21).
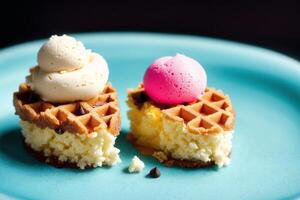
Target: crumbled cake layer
(52,160)
(83,150)
(176,140)
(167,159)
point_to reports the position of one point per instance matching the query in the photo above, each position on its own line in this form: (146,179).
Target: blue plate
(264,87)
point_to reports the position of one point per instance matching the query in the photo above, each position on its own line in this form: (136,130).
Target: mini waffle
(211,114)
(81,117)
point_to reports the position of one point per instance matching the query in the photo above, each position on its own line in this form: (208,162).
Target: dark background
(274,25)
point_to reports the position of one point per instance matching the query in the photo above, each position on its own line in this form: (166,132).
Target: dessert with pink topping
(177,119)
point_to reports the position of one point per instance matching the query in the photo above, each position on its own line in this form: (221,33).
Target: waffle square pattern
(101,112)
(212,114)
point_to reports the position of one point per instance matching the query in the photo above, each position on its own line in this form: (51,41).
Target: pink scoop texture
(175,80)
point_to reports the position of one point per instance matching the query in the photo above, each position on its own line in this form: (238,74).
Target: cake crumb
(136,165)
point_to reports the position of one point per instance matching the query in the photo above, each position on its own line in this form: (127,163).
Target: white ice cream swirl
(67,71)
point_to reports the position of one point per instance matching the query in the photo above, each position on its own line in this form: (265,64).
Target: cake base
(94,150)
(168,160)
(51,160)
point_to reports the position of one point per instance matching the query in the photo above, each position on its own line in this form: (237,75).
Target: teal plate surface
(263,85)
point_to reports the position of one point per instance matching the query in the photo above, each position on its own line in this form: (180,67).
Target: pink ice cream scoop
(175,80)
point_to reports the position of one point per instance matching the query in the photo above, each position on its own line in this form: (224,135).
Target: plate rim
(247,50)
(13,47)
(295,65)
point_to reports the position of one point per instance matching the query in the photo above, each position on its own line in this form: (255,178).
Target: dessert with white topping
(69,112)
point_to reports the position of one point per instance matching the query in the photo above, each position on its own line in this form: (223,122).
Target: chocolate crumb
(139,99)
(59,131)
(154,173)
(32,97)
(79,111)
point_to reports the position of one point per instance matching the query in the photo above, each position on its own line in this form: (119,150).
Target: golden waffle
(78,117)
(211,114)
